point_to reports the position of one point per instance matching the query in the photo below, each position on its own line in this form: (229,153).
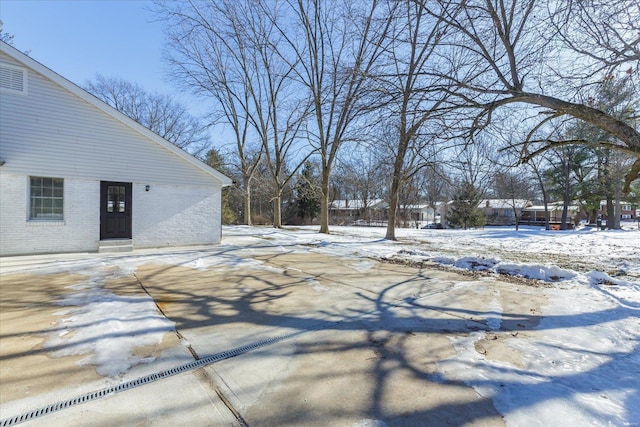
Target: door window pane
(112,198)
(116,198)
(121,199)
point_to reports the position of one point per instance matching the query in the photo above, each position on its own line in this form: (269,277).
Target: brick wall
(78,232)
(163,216)
(175,215)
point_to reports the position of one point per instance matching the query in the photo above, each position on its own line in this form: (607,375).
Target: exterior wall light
(147,188)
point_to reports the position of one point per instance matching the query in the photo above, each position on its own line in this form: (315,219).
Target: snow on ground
(106,327)
(586,368)
(585,255)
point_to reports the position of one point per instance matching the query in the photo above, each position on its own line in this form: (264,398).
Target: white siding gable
(52,131)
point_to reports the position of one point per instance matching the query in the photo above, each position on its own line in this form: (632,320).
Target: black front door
(115,210)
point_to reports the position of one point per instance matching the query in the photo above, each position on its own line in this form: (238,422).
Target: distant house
(535,214)
(503,211)
(77,175)
(348,211)
(627,210)
(417,213)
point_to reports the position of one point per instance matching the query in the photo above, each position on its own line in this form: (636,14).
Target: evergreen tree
(464,211)
(567,170)
(592,173)
(616,96)
(214,159)
(308,194)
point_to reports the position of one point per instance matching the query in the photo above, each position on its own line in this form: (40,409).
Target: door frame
(126,216)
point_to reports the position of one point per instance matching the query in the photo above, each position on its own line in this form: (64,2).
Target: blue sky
(81,38)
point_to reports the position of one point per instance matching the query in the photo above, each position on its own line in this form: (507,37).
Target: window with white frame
(46,198)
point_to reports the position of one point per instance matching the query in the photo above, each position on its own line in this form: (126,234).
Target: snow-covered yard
(586,370)
(582,368)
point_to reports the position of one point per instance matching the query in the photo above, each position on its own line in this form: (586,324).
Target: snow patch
(370,423)
(315,285)
(107,328)
(362,266)
(535,271)
(494,316)
(476,263)
(602,278)
(528,396)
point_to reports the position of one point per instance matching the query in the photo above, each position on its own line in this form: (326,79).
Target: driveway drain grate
(148,379)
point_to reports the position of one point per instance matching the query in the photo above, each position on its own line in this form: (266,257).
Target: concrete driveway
(338,341)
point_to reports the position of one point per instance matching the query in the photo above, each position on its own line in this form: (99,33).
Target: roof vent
(13,79)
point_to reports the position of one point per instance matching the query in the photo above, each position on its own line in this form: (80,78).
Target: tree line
(394,99)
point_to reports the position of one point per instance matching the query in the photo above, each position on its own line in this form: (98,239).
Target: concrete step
(115,245)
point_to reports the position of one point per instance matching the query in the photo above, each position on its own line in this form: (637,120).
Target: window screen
(46,198)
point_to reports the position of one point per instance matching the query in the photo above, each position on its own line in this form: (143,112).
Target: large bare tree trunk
(611,213)
(277,214)
(408,90)
(616,205)
(566,197)
(324,203)
(247,200)
(396,185)
(393,209)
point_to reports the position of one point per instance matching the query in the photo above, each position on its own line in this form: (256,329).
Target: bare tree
(514,186)
(337,44)
(209,63)
(475,162)
(536,166)
(280,107)
(436,184)
(158,113)
(359,175)
(233,51)
(5,36)
(411,95)
(536,182)
(605,32)
(508,52)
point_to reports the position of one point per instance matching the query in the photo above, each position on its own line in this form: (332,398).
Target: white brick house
(77,175)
